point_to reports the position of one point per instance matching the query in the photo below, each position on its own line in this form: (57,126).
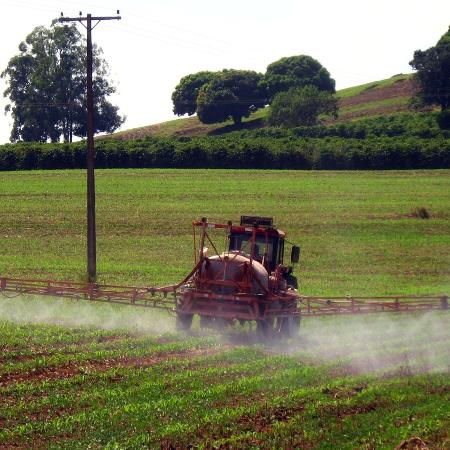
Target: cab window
(242,242)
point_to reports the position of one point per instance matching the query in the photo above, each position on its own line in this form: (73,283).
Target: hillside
(370,99)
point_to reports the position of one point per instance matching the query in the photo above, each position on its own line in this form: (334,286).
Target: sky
(157,42)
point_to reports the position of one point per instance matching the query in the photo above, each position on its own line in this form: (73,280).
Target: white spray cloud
(385,342)
(75,313)
(379,342)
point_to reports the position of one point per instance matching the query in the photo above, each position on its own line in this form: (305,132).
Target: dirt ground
(400,88)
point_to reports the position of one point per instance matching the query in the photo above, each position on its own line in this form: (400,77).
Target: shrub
(422,213)
(443,119)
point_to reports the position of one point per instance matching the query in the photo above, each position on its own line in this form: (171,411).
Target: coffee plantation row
(229,152)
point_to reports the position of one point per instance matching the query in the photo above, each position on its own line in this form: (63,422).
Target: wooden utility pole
(90,160)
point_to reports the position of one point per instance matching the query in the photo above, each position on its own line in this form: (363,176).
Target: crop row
(285,152)
(184,375)
(240,398)
(204,391)
(22,337)
(415,340)
(128,350)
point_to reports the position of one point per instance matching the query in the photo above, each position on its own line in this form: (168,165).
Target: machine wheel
(184,321)
(290,326)
(264,329)
(292,281)
(219,323)
(206,321)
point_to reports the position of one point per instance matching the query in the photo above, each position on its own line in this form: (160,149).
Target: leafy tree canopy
(301,106)
(433,73)
(46,85)
(184,97)
(230,94)
(297,71)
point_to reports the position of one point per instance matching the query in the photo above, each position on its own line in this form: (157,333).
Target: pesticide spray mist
(79,313)
(385,342)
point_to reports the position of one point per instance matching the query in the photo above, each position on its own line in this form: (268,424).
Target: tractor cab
(257,237)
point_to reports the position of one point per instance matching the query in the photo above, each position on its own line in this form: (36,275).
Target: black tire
(292,281)
(264,329)
(184,322)
(290,327)
(206,321)
(219,323)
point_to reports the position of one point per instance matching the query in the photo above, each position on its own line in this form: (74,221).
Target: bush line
(232,153)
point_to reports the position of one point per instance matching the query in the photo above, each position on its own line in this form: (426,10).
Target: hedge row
(218,152)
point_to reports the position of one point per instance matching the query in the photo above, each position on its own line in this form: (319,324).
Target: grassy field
(77,375)
(359,231)
(190,126)
(358,90)
(397,101)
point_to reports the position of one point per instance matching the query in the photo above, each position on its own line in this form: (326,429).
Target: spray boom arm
(165,297)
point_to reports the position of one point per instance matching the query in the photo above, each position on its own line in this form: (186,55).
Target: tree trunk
(237,120)
(65,131)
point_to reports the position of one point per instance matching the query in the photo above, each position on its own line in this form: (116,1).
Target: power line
(91,232)
(166,37)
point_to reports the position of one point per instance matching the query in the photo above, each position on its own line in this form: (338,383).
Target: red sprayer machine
(248,281)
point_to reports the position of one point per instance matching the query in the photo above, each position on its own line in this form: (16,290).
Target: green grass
(358,231)
(189,126)
(374,105)
(356,90)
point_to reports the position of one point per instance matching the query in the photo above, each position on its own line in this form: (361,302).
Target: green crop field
(360,382)
(78,375)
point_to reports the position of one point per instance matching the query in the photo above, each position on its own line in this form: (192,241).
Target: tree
(231,94)
(46,85)
(184,97)
(296,71)
(301,106)
(433,74)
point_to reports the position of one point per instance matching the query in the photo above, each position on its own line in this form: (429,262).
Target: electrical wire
(165,38)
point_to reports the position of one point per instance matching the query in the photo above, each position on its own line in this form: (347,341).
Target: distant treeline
(258,153)
(392,143)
